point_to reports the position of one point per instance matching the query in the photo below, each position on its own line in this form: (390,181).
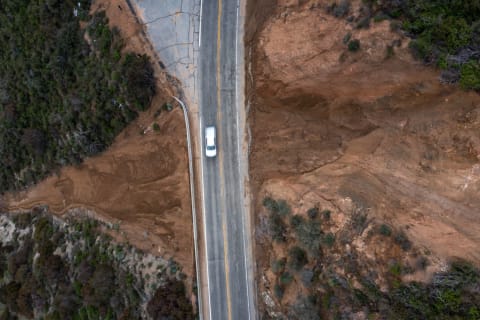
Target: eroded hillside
(359,127)
(140,183)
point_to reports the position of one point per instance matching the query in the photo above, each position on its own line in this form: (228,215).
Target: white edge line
(200,29)
(204,214)
(239,143)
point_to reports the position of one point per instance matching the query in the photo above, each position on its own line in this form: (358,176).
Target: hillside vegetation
(52,269)
(65,91)
(318,270)
(445,33)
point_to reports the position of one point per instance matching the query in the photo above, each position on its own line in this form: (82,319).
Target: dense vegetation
(445,33)
(51,270)
(65,92)
(340,284)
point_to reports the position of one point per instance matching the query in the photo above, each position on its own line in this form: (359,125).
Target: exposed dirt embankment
(141,181)
(373,128)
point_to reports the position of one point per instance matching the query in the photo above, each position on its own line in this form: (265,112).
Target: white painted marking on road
(204,214)
(200,29)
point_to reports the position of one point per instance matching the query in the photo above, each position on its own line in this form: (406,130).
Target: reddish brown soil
(141,181)
(360,130)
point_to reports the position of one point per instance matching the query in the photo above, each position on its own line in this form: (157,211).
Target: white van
(210,142)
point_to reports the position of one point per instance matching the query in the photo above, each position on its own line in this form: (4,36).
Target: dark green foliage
(309,234)
(61,98)
(340,9)
(277,227)
(385,230)
(363,23)
(283,208)
(354,45)
(470,75)
(439,29)
(326,214)
(92,285)
(312,213)
(278,290)
(170,302)
(329,239)
(450,294)
(298,258)
(296,220)
(286,278)
(402,240)
(271,204)
(156,127)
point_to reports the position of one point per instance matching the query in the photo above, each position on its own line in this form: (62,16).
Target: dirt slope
(367,130)
(141,181)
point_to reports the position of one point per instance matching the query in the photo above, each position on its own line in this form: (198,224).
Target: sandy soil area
(141,181)
(368,128)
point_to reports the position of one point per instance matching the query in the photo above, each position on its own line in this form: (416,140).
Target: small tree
(283,208)
(385,230)
(354,45)
(277,227)
(270,204)
(312,213)
(286,278)
(298,258)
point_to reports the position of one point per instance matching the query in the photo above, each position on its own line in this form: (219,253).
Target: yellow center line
(220,159)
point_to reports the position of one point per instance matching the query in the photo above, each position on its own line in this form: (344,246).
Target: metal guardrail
(194,212)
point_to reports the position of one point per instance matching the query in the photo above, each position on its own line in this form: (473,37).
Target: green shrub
(277,227)
(363,23)
(385,230)
(402,240)
(278,290)
(312,213)
(156,127)
(329,239)
(326,214)
(470,76)
(309,234)
(296,220)
(283,208)
(340,9)
(298,258)
(286,278)
(354,45)
(271,204)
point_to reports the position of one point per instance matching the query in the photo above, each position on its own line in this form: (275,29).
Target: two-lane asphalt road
(229,267)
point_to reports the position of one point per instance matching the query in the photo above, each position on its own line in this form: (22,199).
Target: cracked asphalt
(173,27)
